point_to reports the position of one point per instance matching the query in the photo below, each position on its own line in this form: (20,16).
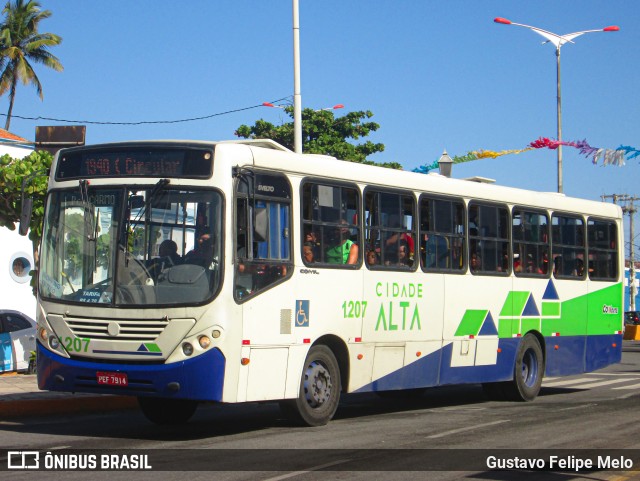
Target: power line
(143,122)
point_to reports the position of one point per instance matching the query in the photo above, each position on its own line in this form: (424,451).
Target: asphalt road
(452,429)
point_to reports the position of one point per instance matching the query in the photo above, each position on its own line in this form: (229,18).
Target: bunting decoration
(605,156)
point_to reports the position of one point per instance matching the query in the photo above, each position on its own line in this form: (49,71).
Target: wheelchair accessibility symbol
(302,313)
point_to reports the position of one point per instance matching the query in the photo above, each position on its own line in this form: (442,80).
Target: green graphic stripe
(471,322)
(514,304)
(596,313)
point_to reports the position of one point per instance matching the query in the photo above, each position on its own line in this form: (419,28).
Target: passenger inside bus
(307,253)
(344,250)
(557,265)
(311,241)
(579,268)
(202,254)
(372,257)
(403,254)
(167,257)
(475,262)
(531,267)
(168,251)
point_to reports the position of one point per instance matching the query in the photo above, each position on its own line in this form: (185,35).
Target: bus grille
(124,330)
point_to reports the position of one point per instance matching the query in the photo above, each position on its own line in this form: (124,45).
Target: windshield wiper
(161,184)
(84,198)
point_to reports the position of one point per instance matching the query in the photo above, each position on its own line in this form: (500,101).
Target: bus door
(262,265)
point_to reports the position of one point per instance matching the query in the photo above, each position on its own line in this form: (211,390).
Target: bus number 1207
(354,309)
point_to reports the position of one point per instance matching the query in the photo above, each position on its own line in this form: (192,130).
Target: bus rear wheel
(320,387)
(528,371)
(167,411)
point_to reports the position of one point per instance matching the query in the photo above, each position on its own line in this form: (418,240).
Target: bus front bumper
(200,378)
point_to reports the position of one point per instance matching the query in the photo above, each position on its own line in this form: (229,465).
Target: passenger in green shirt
(346,252)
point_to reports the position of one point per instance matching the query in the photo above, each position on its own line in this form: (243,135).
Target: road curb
(81,404)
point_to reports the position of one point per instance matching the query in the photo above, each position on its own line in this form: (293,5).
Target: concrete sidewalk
(20,396)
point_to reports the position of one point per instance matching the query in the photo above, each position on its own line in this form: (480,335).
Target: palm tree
(21,45)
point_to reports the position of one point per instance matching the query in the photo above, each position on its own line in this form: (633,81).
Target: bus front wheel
(167,411)
(320,388)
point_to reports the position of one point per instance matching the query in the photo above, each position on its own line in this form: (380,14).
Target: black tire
(167,411)
(320,388)
(528,371)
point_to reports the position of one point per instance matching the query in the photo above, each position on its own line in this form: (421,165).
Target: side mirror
(25,216)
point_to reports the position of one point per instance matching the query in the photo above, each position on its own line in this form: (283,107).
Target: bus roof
(269,154)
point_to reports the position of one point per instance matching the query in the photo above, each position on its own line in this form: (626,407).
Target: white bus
(182,271)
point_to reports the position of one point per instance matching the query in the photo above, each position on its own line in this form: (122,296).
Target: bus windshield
(135,246)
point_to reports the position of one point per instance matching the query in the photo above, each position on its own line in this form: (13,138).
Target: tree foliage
(22,45)
(34,170)
(323,133)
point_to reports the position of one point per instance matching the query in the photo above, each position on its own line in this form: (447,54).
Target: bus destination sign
(135,162)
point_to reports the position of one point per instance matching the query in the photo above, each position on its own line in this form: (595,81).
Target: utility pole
(628,208)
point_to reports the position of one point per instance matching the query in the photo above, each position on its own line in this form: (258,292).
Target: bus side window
(603,250)
(491,240)
(262,250)
(568,243)
(530,243)
(330,225)
(391,223)
(442,237)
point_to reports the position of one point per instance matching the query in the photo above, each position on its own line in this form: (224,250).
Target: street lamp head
(502,20)
(612,28)
(444,164)
(339,106)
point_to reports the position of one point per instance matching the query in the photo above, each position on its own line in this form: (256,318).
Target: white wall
(15,288)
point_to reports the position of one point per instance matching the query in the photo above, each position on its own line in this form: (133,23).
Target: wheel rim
(529,368)
(317,384)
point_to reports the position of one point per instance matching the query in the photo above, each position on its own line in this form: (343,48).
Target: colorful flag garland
(606,156)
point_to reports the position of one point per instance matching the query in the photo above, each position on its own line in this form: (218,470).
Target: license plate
(112,378)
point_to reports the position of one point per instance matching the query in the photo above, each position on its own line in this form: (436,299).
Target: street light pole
(559,116)
(297,97)
(558,41)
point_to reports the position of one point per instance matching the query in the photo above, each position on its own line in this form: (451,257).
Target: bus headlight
(187,349)
(204,342)
(54,343)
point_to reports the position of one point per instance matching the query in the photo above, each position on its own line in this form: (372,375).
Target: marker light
(43,334)
(187,349)
(204,342)
(244,361)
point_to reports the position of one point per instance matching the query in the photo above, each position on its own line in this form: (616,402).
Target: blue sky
(436,75)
